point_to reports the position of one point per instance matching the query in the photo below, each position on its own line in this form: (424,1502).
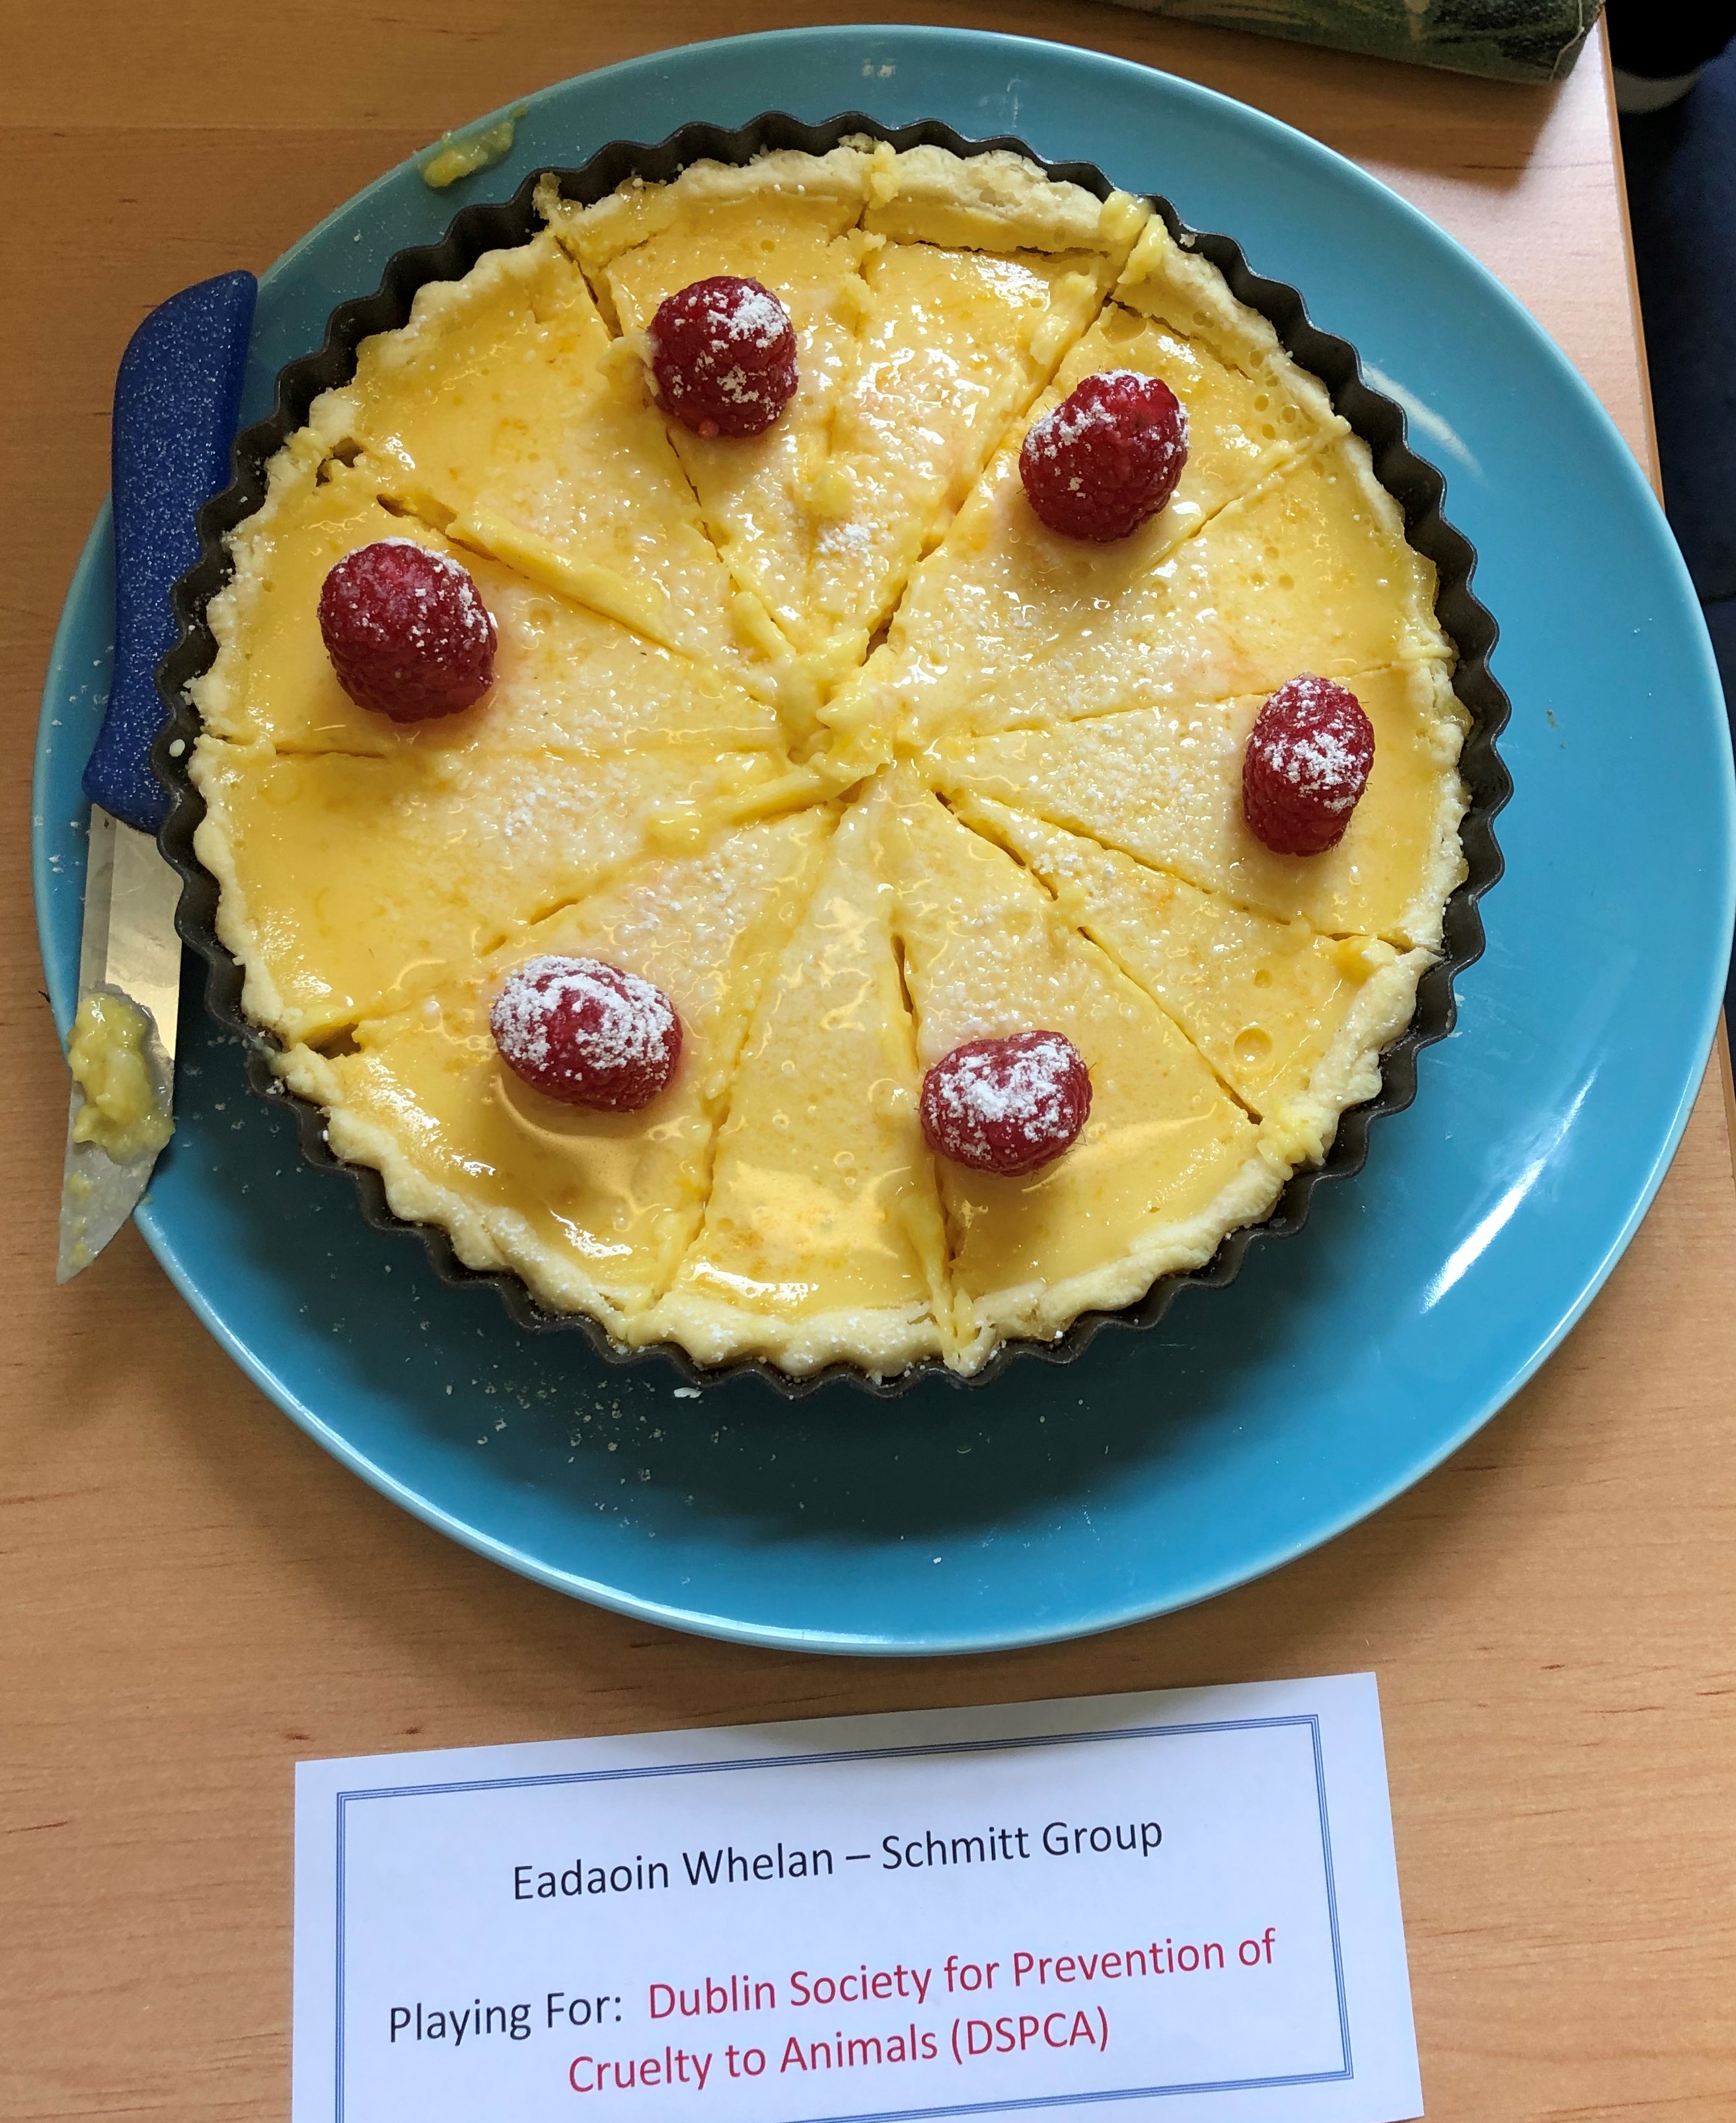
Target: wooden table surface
(193,1596)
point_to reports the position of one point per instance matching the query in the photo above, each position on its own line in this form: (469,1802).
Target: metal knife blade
(176,399)
(129,948)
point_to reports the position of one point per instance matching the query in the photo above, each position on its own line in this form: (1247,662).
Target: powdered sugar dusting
(632,1018)
(1306,764)
(723,355)
(1108,457)
(756,316)
(1077,416)
(406,629)
(586,1032)
(438,596)
(1006,1105)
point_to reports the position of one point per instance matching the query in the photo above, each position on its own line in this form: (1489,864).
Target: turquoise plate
(1254,1422)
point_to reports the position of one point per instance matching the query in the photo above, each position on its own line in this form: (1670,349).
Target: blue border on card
(1309,1718)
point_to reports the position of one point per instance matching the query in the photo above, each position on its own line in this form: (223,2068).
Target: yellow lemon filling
(499,415)
(125,1110)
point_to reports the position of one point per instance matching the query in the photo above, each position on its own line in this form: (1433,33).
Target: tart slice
(1241,428)
(501,415)
(593,1209)
(352,886)
(789,220)
(1167,1161)
(566,679)
(1165,786)
(822,1237)
(984,273)
(1293,1022)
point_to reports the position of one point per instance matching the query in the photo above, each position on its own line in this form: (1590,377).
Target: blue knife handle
(176,401)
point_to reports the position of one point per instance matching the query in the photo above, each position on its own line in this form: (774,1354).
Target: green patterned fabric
(1513,40)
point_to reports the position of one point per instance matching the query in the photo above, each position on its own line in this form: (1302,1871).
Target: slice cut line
(566,677)
(1308,571)
(1164,786)
(352,886)
(824,1208)
(1285,1017)
(1144,1189)
(954,345)
(594,1209)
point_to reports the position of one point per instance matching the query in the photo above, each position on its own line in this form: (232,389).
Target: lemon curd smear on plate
(725,646)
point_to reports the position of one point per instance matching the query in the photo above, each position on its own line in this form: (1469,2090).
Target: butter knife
(177,396)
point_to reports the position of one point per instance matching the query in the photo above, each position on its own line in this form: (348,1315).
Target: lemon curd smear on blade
(125,1110)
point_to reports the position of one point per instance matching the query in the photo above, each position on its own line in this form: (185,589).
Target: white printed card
(1180,1905)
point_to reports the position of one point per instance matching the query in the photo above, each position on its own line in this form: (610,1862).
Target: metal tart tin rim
(1417,486)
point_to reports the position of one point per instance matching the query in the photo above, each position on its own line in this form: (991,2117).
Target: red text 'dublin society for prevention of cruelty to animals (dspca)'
(752,2023)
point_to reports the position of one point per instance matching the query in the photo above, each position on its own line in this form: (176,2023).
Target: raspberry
(1107,458)
(587,1034)
(1006,1105)
(407,631)
(723,356)
(1306,764)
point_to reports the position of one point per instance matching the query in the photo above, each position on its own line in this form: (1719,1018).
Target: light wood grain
(195,1595)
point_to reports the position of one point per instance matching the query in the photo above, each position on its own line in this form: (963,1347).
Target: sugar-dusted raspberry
(1006,1105)
(723,356)
(407,631)
(1107,458)
(1306,766)
(587,1034)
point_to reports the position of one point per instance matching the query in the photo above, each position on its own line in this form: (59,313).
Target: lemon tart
(815,730)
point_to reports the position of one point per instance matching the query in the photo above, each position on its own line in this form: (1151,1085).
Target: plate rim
(1208,1584)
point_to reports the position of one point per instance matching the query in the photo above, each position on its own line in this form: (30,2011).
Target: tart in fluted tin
(824,733)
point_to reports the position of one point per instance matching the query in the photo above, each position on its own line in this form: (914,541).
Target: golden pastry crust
(634,212)
(993,202)
(1039,1311)
(1185,290)
(824,734)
